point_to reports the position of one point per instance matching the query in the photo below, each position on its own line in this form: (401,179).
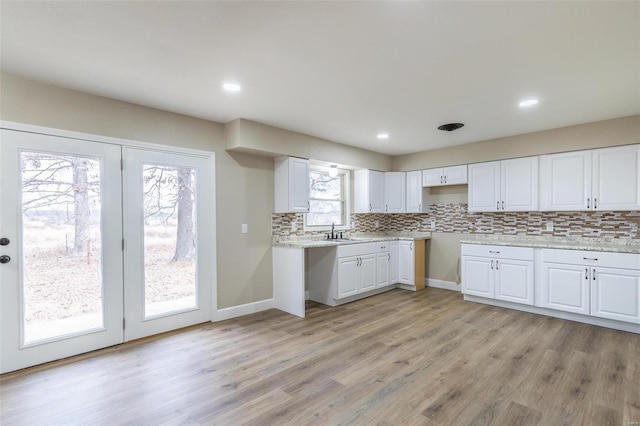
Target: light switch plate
(294,226)
(433,223)
(244,228)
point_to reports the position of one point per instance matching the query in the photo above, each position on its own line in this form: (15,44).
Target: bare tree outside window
(327,199)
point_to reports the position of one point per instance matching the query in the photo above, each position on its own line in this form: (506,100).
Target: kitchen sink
(351,239)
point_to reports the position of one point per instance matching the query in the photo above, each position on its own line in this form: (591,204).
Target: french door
(85,264)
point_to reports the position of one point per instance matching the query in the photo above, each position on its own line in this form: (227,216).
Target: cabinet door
(395,189)
(376,191)
(478,276)
(615,178)
(565,181)
(367,272)
(566,287)
(484,187)
(433,177)
(383,269)
(519,184)
(514,281)
(347,276)
(298,185)
(414,192)
(393,270)
(455,175)
(615,294)
(406,263)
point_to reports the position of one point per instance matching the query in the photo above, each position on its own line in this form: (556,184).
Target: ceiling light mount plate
(450,127)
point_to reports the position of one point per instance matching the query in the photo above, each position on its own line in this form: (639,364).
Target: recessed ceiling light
(383,135)
(232,87)
(528,102)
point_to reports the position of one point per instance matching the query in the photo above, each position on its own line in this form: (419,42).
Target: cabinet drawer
(499,252)
(592,258)
(383,246)
(356,249)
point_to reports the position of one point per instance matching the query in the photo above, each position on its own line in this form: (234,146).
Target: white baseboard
(240,310)
(447,285)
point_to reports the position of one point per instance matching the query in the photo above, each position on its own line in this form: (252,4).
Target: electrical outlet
(433,223)
(550,226)
(294,226)
(244,228)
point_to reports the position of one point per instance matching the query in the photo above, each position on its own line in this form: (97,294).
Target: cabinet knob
(5,259)
(4,241)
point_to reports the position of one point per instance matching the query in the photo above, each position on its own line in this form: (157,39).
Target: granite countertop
(617,245)
(358,238)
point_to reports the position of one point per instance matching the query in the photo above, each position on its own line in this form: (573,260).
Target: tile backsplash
(455,218)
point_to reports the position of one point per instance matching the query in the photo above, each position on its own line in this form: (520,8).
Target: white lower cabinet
(615,294)
(406,263)
(565,287)
(384,264)
(600,284)
(356,274)
(498,272)
(393,258)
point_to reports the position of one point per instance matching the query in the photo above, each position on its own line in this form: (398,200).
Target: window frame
(346,197)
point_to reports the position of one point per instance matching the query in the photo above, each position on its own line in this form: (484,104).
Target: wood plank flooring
(425,358)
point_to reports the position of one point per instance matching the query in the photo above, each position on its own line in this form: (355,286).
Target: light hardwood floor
(425,358)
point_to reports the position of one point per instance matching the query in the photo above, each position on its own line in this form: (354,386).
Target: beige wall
(244,187)
(443,255)
(619,131)
(248,136)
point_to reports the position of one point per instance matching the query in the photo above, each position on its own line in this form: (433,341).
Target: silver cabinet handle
(419,207)
(595,203)
(497,265)
(386,206)
(503,205)
(586,273)
(591,259)
(445,178)
(389,257)
(492,264)
(593,274)
(370,207)
(588,204)
(308,205)
(497,205)
(441,179)
(492,251)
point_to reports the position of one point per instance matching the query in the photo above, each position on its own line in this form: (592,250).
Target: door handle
(593,274)
(491,264)
(4,241)
(592,259)
(586,273)
(503,205)
(497,205)
(5,259)
(493,251)
(420,207)
(445,178)
(497,265)
(369,207)
(441,179)
(588,204)
(595,203)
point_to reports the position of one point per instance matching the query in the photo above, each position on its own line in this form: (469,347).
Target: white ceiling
(343,70)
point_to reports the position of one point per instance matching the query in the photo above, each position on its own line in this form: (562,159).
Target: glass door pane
(169,239)
(61,240)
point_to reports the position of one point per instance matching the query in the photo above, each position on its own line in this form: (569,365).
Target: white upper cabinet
(291,185)
(565,181)
(615,178)
(394,192)
(369,191)
(454,175)
(601,179)
(484,187)
(507,185)
(417,196)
